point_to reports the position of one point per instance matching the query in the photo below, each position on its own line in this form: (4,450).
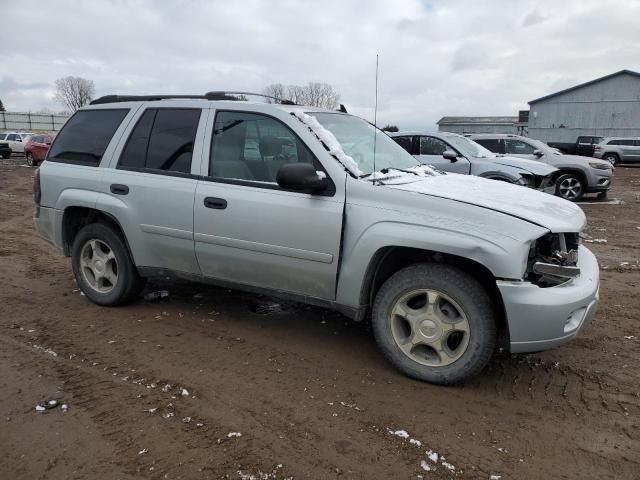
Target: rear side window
(85,137)
(162,140)
(404,142)
(621,142)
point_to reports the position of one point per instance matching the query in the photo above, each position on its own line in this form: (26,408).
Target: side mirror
(450,155)
(301,177)
(538,153)
(47,141)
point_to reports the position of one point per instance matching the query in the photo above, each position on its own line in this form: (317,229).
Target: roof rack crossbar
(219,95)
(263,95)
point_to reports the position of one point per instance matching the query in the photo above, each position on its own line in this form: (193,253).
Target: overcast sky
(437,58)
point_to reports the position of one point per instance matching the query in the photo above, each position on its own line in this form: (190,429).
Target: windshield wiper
(386,170)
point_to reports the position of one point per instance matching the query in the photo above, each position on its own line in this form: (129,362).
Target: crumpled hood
(533,166)
(540,208)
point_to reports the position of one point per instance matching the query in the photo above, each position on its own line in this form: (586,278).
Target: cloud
(436,58)
(533,18)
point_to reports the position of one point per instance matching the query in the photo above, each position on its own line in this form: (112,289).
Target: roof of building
(477,120)
(575,87)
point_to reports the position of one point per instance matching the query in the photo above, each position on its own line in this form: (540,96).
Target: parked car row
(34,146)
(575,176)
(510,158)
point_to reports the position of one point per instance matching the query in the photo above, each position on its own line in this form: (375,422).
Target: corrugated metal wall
(475,128)
(609,108)
(31,122)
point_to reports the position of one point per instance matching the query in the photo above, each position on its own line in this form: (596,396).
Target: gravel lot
(305,389)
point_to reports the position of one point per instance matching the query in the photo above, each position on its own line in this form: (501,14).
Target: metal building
(464,125)
(607,106)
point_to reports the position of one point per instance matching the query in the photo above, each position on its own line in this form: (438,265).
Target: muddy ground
(278,390)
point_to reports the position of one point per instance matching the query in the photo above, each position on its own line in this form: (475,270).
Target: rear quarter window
(85,137)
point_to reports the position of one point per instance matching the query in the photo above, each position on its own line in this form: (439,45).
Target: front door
(250,231)
(430,150)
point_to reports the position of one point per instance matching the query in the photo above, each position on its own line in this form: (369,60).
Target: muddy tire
(102,266)
(31,161)
(435,323)
(570,187)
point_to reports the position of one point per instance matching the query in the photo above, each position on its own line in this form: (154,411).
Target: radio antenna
(375,124)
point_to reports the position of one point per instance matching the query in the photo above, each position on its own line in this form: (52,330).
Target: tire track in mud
(562,386)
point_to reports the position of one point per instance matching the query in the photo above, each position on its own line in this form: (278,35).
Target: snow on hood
(330,141)
(540,208)
(533,166)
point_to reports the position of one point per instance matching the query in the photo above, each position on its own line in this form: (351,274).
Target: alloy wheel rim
(570,188)
(429,327)
(99,266)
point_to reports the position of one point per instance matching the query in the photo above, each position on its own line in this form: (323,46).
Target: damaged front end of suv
(553,259)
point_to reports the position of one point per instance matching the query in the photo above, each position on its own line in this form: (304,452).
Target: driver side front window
(432,146)
(249,146)
(518,147)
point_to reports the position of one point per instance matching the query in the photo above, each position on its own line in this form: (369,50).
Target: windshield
(543,146)
(468,147)
(355,136)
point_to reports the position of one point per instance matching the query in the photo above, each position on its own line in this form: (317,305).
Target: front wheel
(31,161)
(102,266)
(435,323)
(570,187)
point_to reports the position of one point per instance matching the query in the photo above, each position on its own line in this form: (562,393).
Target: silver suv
(454,153)
(619,150)
(576,175)
(292,201)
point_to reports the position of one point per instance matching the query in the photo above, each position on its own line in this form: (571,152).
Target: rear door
(250,231)
(430,150)
(151,188)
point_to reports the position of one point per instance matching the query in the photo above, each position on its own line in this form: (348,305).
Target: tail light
(37,191)
(597,148)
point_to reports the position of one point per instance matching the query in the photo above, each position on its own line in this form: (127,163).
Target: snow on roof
(330,142)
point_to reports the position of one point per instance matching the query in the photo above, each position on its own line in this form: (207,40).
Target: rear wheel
(31,161)
(612,158)
(435,323)
(102,266)
(570,187)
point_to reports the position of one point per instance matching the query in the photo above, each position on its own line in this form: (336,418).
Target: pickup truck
(297,202)
(584,145)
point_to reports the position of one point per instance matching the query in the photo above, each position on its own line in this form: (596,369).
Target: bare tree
(276,90)
(74,92)
(314,94)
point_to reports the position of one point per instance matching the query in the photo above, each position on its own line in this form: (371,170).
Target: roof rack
(218,95)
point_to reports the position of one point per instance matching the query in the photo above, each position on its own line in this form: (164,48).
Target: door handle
(119,189)
(217,203)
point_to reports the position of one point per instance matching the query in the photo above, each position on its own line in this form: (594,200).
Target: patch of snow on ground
(425,466)
(45,350)
(234,434)
(433,456)
(399,433)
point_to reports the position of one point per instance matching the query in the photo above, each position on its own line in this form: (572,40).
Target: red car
(37,147)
